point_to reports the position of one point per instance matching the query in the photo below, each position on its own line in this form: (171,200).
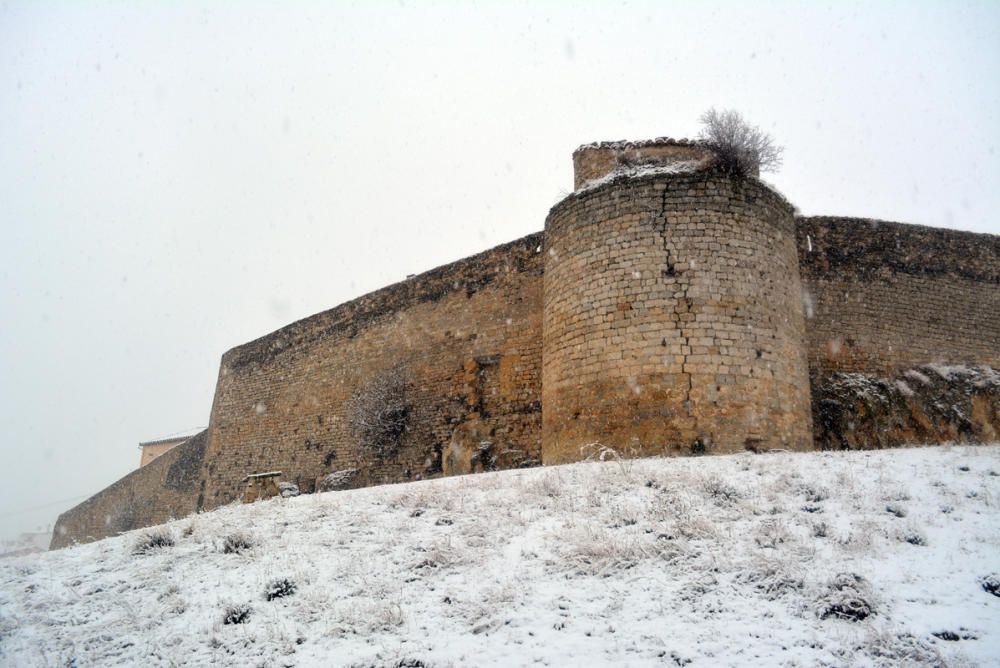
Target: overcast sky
(180,178)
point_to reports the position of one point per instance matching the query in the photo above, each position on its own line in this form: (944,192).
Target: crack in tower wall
(681,368)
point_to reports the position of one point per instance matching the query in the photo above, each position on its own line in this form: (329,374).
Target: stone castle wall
(678,312)
(672,319)
(467,338)
(166,488)
(903,326)
(882,296)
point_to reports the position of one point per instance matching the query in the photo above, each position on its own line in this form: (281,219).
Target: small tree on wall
(378,413)
(740,148)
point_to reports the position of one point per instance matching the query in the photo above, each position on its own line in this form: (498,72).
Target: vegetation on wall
(741,149)
(378,413)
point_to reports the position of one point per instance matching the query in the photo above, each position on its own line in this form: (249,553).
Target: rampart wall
(468,338)
(903,327)
(675,312)
(883,296)
(168,487)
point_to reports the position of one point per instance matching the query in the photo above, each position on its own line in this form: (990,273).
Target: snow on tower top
(598,161)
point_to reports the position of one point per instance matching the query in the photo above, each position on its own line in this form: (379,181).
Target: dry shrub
(600,553)
(741,149)
(236,543)
(771,579)
(900,649)
(771,533)
(236,614)
(153,541)
(721,491)
(439,555)
(280,588)
(848,597)
(813,493)
(378,413)
(547,486)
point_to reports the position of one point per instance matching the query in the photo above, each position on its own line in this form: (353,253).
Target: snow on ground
(742,560)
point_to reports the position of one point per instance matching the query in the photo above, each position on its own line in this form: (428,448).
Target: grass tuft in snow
(237,543)
(237,614)
(153,541)
(280,588)
(991,584)
(848,597)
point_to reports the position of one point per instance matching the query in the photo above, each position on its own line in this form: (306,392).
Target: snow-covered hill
(864,558)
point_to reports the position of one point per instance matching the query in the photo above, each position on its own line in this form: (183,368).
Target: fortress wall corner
(673,319)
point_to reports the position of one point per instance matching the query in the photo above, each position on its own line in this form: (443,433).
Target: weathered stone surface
(337,481)
(468,336)
(261,486)
(930,404)
(882,297)
(168,487)
(288,490)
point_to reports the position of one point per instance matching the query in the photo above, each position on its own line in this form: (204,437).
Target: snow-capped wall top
(680,167)
(622,144)
(609,159)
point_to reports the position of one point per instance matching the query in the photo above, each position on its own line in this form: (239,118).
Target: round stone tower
(673,314)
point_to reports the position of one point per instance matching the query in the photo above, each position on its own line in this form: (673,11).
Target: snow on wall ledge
(878,299)
(599,160)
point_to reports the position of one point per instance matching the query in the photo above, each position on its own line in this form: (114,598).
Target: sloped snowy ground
(714,561)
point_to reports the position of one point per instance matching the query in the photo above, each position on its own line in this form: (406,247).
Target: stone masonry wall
(168,487)
(468,338)
(673,319)
(670,309)
(881,297)
(903,326)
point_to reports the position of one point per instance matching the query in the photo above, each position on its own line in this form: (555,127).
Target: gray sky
(179,178)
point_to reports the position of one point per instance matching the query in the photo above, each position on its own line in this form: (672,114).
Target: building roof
(179,437)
